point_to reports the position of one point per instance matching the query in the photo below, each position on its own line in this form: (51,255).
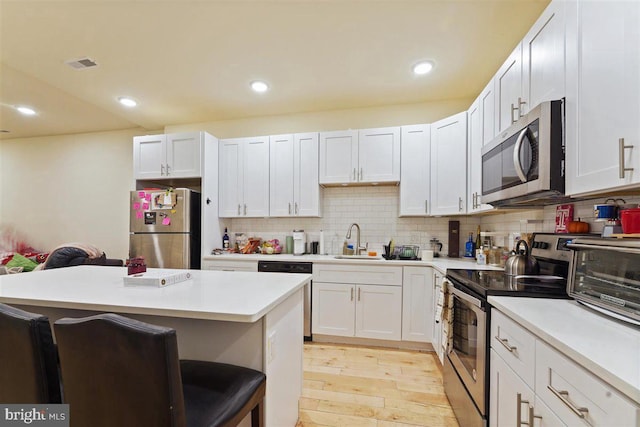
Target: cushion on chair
(120,372)
(215,392)
(28,359)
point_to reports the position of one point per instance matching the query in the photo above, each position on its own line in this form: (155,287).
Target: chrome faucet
(358,248)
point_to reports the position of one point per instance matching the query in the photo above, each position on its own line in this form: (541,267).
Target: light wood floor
(350,386)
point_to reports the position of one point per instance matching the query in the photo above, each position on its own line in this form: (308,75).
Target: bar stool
(28,359)
(122,372)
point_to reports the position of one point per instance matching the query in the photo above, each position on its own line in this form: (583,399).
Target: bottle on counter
(470,247)
(478,239)
(225,240)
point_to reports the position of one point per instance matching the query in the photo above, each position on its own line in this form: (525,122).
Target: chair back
(28,360)
(118,371)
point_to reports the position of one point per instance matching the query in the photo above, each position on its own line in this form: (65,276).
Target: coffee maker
(299,242)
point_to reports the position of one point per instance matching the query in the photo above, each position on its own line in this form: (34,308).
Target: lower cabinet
(417,304)
(534,384)
(357,301)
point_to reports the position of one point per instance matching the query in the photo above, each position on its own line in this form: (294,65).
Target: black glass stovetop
(491,282)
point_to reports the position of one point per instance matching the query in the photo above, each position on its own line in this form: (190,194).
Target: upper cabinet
(294,188)
(479,132)
(414,173)
(603,96)
(535,70)
(449,165)
(176,155)
(365,156)
(244,177)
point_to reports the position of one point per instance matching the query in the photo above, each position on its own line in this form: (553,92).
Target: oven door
(468,353)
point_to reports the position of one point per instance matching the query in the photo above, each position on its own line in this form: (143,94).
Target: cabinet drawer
(515,345)
(226,265)
(358,274)
(577,396)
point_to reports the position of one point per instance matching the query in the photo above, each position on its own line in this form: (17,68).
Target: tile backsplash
(375,209)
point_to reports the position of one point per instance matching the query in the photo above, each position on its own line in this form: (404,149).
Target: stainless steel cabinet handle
(513,109)
(475,200)
(245,209)
(161,170)
(359,292)
(426,206)
(289,208)
(532,416)
(167,170)
(563,395)
(360,174)
(520,109)
(519,402)
(354,174)
(505,343)
(238,208)
(621,148)
(352,293)
(460,204)
(296,208)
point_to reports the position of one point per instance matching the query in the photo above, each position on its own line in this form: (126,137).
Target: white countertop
(440,263)
(212,295)
(607,348)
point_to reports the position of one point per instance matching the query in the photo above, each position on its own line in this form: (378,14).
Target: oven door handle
(516,155)
(466,297)
(604,247)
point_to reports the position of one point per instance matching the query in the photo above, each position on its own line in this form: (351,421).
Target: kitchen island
(247,319)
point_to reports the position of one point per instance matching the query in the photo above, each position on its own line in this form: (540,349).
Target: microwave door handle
(516,156)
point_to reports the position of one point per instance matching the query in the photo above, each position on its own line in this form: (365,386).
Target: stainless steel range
(466,365)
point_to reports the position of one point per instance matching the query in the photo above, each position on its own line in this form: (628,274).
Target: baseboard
(404,345)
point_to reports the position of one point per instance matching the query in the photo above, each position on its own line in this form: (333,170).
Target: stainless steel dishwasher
(293,267)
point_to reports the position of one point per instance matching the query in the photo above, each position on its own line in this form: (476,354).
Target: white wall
(71,188)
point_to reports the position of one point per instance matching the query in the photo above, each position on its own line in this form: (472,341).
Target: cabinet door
(415,170)
(379,155)
(281,172)
(508,87)
(480,131)
(417,304)
(544,416)
(184,155)
(509,396)
(487,107)
(603,95)
(230,177)
(449,165)
(256,177)
(339,157)
(543,57)
(333,310)
(306,188)
(149,157)
(379,312)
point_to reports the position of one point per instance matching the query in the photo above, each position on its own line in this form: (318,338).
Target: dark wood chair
(28,359)
(118,371)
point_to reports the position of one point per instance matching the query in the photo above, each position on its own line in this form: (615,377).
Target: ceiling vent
(81,64)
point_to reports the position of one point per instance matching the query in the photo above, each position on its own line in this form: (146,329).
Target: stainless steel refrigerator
(164,228)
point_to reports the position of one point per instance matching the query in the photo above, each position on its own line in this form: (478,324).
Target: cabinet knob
(208,201)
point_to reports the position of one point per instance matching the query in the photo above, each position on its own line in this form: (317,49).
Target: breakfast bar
(243,318)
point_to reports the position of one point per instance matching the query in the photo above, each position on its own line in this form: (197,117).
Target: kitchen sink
(357,257)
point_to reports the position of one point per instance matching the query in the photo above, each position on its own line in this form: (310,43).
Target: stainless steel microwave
(524,165)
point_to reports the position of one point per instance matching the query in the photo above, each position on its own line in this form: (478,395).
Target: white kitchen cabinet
(294,187)
(417,304)
(553,389)
(475,142)
(176,155)
(362,301)
(360,157)
(603,96)
(449,165)
(415,171)
(244,177)
(535,71)
(229,265)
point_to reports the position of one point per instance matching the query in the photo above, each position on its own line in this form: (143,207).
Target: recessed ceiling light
(127,102)
(259,86)
(422,67)
(27,111)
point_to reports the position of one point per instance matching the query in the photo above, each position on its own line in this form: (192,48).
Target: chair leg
(257,415)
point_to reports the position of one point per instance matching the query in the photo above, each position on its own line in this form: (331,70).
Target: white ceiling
(192,61)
